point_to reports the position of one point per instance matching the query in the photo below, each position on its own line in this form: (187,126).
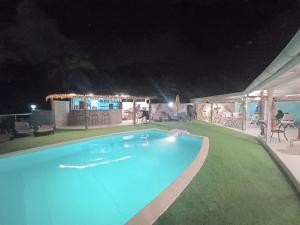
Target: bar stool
(94,119)
(70,119)
(77,119)
(80,119)
(105,117)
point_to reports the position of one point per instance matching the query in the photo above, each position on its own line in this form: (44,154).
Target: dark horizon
(188,47)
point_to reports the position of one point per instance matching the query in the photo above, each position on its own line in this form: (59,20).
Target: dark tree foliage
(33,40)
(162,48)
(31,48)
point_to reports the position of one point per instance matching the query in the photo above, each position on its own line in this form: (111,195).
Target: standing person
(195,114)
(190,112)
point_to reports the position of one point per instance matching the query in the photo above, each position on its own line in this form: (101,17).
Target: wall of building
(251,108)
(164,107)
(115,116)
(129,105)
(61,112)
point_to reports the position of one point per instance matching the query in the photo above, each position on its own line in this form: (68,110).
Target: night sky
(193,48)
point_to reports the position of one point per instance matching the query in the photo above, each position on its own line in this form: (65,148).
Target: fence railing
(7,122)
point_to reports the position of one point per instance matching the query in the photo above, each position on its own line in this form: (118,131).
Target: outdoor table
(262,124)
(285,124)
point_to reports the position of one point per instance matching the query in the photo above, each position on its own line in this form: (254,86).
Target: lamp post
(269,115)
(33,107)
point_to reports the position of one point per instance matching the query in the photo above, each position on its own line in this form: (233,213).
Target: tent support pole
(211,111)
(269,115)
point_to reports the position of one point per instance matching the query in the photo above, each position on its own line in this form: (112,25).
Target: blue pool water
(100,181)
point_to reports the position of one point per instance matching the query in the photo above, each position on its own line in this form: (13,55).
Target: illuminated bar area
(88,109)
(99,111)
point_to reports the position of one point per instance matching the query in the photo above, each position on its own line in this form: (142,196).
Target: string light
(73,95)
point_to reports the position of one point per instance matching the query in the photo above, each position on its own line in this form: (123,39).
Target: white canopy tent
(280,81)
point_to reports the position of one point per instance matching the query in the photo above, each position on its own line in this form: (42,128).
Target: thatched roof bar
(73,95)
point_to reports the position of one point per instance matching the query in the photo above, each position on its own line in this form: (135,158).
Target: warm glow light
(257,98)
(170,104)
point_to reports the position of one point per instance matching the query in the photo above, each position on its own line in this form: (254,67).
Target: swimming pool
(106,180)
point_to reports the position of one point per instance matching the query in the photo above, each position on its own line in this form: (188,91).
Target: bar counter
(95,117)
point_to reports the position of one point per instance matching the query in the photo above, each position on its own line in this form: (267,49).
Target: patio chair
(279,130)
(23,128)
(227,118)
(254,121)
(160,116)
(173,116)
(143,116)
(236,115)
(44,130)
(182,116)
(288,120)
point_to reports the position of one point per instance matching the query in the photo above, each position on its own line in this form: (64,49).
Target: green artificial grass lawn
(239,183)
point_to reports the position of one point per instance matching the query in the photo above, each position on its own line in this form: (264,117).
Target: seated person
(279,115)
(145,114)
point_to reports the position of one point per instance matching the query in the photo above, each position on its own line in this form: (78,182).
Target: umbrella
(177,102)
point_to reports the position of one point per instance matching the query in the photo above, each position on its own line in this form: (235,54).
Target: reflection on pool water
(93,164)
(100,181)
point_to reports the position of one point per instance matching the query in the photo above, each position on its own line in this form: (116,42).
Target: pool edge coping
(151,212)
(39,148)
